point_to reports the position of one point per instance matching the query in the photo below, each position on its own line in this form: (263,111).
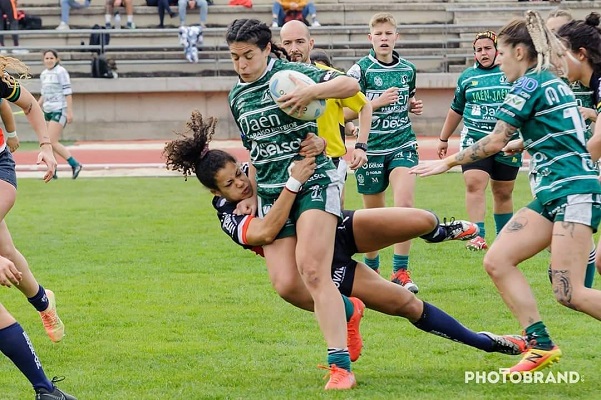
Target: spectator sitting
(66,6)
(286,10)
(109,10)
(203,6)
(163,6)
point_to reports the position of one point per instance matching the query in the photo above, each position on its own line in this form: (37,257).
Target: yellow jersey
(330,125)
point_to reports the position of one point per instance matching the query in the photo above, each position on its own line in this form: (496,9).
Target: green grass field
(159,304)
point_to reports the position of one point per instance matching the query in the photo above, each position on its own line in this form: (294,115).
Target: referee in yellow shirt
(297,42)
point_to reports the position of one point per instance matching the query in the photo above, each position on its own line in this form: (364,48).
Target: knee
(493,265)
(409,307)
(502,196)
(566,293)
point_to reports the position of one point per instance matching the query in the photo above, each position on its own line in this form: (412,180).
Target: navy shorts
(498,171)
(343,265)
(7,168)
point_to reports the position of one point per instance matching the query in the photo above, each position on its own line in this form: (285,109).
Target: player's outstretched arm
(262,231)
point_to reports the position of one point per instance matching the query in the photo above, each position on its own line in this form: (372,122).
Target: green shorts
(57,116)
(318,193)
(583,209)
(372,178)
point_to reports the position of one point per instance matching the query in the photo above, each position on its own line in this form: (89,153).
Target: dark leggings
(9,8)
(163,7)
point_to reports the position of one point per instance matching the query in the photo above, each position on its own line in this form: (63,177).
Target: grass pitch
(159,304)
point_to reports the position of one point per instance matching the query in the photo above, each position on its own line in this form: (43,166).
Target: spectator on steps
(110,9)
(203,6)
(9,9)
(287,10)
(163,6)
(66,6)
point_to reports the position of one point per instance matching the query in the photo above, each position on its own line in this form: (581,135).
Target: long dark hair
(584,34)
(255,32)
(190,153)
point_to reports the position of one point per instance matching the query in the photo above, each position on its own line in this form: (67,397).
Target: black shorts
(498,171)
(343,265)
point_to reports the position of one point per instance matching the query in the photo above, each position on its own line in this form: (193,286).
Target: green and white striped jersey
(478,95)
(544,108)
(390,125)
(272,136)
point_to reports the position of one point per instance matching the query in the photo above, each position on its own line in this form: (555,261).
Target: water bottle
(117,20)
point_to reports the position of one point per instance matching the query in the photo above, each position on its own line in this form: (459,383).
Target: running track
(143,158)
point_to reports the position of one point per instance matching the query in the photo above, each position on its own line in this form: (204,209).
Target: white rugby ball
(281,84)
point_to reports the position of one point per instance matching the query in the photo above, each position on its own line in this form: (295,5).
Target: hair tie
(204,151)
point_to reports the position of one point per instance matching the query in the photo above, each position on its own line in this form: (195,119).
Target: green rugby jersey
(272,136)
(390,125)
(544,108)
(478,94)
(584,98)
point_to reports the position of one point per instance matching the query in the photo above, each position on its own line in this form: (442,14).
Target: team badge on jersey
(378,81)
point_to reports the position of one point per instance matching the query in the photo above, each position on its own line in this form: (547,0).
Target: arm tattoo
(562,287)
(488,145)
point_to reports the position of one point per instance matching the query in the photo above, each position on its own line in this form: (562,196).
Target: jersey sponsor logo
(526,84)
(489,96)
(267,150)
(515,101)
(258,123)
(503,80)
(396,123)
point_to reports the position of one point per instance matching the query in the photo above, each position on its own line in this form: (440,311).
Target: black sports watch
(362,146)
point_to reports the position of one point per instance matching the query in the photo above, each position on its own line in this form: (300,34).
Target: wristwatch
(362,146)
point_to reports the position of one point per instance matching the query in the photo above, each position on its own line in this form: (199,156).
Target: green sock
(590,269)
(340,357)
(501,220)
(538,332)
(373,263)
(482,233)
(349,308)
(72,162)
(399,262)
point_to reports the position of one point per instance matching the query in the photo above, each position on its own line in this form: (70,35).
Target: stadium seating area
(435,35)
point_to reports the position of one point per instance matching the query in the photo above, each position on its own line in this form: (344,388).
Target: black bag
(103,68)
(152,3)
(30,22)
(100,38)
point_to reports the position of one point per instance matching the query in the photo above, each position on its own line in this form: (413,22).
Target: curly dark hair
(190,153)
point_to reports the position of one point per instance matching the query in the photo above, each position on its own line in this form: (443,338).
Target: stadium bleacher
(436,35)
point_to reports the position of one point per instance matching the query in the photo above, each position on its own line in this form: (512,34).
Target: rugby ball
(281,84)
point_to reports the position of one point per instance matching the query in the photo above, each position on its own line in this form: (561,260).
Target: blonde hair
(10,63)
(541,44)
(560,13)
(382,18)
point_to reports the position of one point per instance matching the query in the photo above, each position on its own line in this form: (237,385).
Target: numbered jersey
(273,137)
(584,98)
(478,95)
(390,127)
(544,108)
